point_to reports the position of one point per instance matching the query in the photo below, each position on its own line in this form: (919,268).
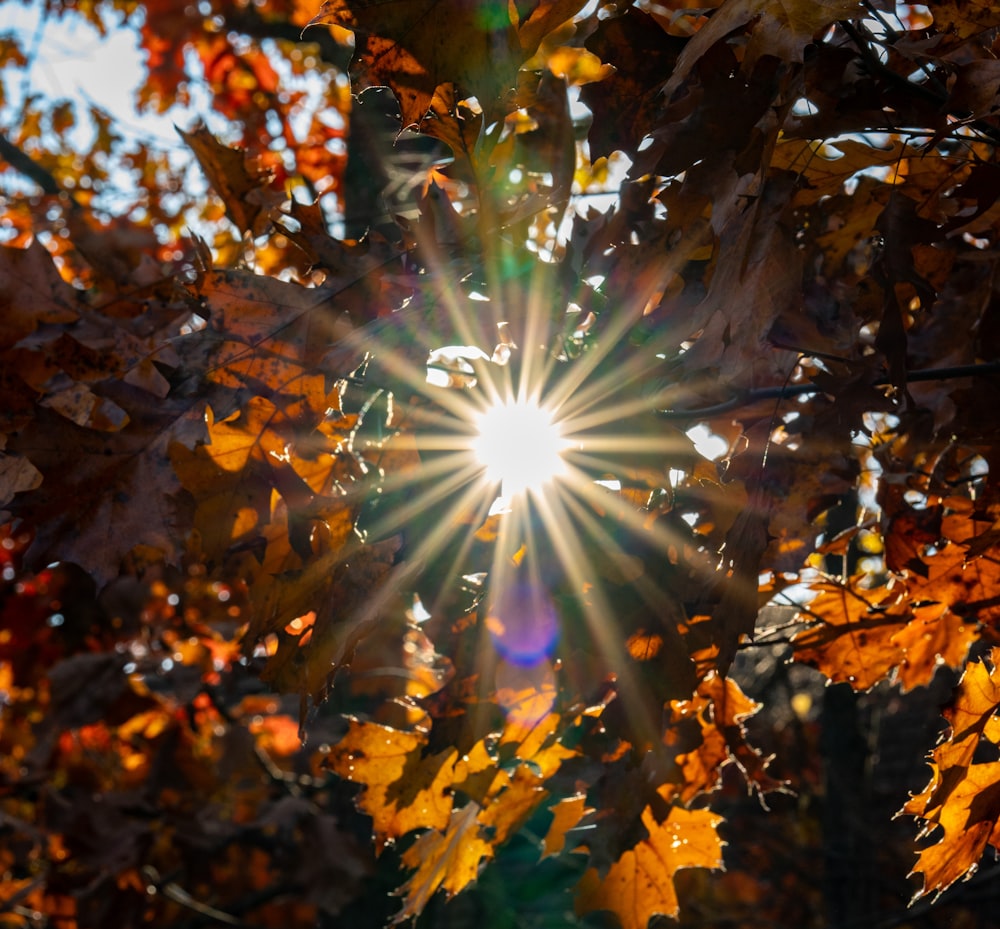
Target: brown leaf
(625,105)
(31,293)
(957,21)
(102,493)
(245,190)
(401,46)
(736,613)
(782,28)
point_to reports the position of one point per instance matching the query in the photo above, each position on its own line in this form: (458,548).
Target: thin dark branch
(862,39)
(26,165)
(749,397)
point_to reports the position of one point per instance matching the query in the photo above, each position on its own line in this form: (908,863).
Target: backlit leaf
(404,790)
(640,885)
(447,860)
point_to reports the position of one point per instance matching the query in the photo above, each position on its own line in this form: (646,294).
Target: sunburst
(521,446)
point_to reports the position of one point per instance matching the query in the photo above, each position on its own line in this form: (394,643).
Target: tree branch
(26,165)
(749,397)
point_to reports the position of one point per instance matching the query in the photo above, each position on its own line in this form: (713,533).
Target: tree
(273,651)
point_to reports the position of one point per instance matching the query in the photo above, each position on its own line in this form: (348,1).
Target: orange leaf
(853,643)
(449,860)
(961,803)
(968,820)
(565,815)
(640,885)
(403,789)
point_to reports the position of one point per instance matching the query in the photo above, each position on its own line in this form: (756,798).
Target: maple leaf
(640,884)
(401,46)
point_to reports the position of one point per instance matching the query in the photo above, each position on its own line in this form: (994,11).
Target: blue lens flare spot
(523,624)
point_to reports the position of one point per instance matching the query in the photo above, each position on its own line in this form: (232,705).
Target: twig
(749,397)
(26,165)
(876,67)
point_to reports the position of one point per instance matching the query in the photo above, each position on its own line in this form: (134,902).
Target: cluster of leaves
(229,475)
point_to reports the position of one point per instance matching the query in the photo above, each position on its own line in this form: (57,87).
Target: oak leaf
(960,806)
(402,46)
(32,293)
(114,491)
(245,190)
(720,709)
(447,860)
(403,789)
(782,28)
(853,641)
(566,814)
(640,884)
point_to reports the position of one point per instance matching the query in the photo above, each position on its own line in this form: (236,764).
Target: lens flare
(520,445)
(522,622)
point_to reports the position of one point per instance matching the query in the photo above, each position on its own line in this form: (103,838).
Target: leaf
(263,332)
(782,28)
(968,819)
(32,293)
(625,105)
(823,168)
(401,46)
(720,709)
(349,587)
(854,641)
(246,191)
(448,861)
(960,806)
(566,814)
(957,21)
(404,790)
(113,491)
(640,885)
(736,614)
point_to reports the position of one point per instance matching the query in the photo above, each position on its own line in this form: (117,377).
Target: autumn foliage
(271,653)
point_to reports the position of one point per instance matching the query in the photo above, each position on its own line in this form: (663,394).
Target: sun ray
(598,612)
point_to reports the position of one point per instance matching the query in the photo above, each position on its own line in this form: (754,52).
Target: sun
(521,446)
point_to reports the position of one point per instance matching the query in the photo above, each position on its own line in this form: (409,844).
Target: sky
(71,60)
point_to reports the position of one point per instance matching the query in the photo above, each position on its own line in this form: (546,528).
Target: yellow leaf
(640,885)
(236,439)
(565,815)
(403,790)
(448,860)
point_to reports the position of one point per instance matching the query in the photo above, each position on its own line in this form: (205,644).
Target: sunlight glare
(520,445)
